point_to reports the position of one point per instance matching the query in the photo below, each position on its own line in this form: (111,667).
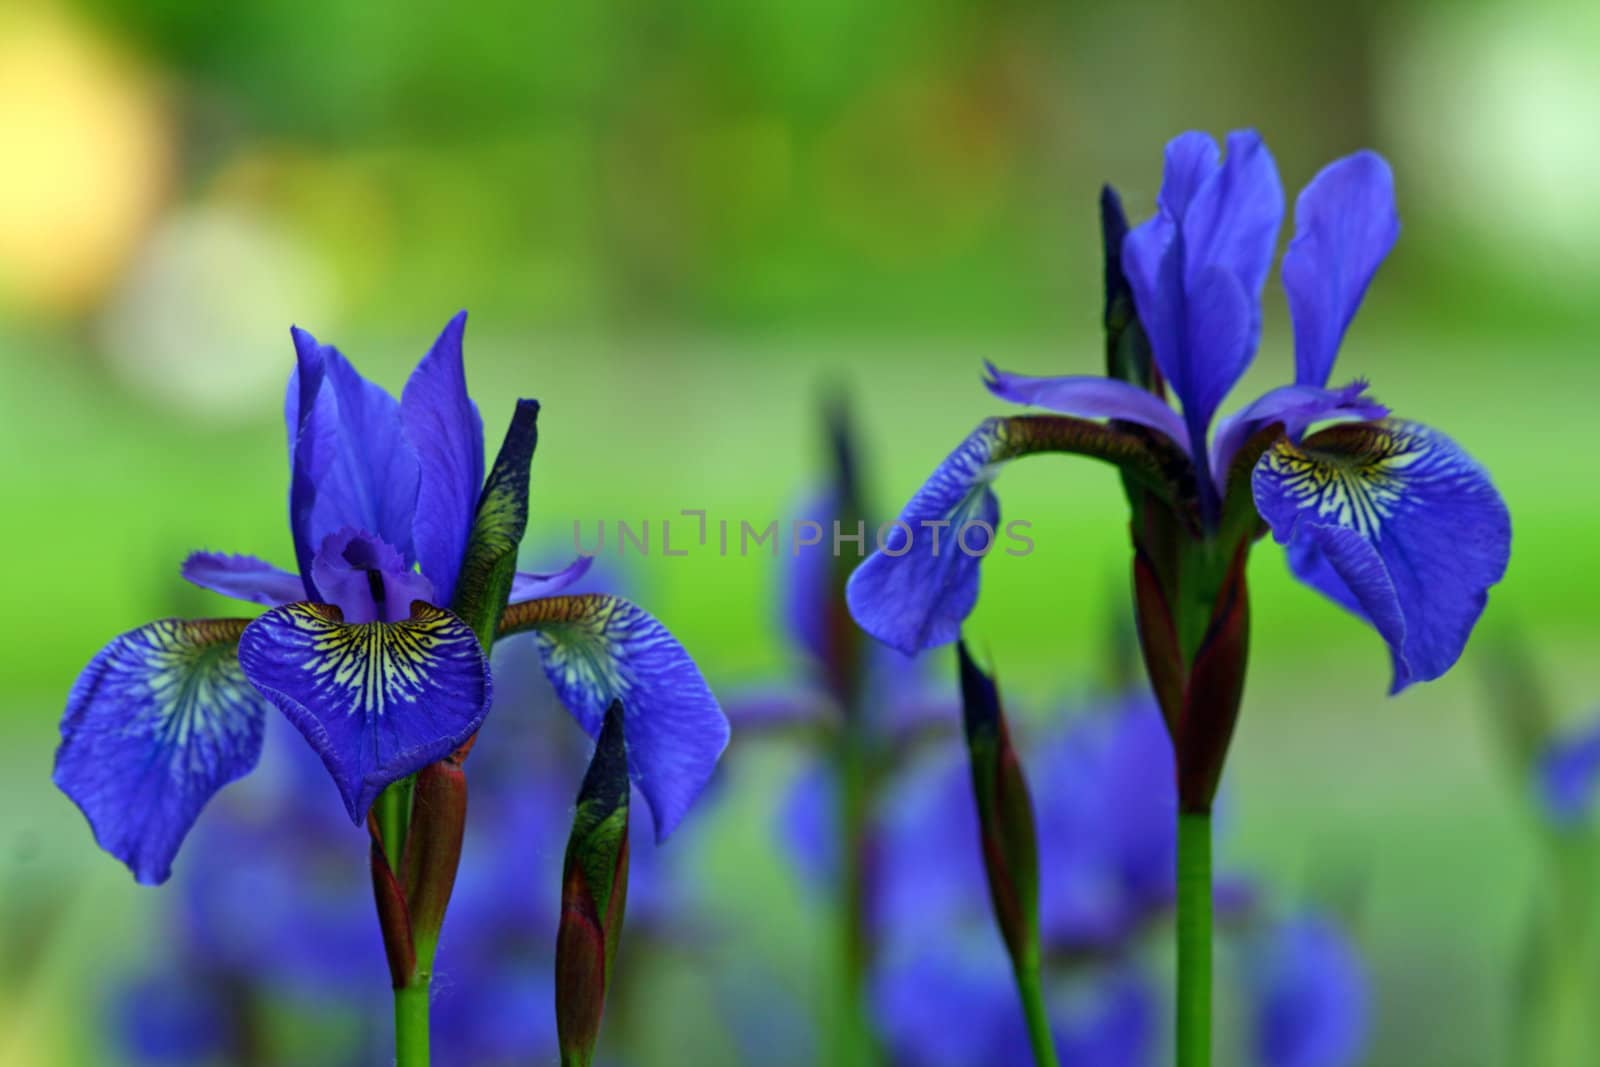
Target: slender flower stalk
(1194,940)
(1388,518)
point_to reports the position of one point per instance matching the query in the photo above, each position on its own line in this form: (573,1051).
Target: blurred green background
(673,224)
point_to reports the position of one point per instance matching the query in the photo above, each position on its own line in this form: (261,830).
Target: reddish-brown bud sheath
(1214,691)
(393,918)
(594,892)
(433,851)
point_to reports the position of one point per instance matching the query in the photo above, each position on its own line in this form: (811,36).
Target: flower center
(366,578)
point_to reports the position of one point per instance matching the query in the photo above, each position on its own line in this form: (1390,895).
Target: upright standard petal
(598,648)
(915,592)
(1190,160)
(309,454)
(376,700)
(1232,223)
(1197,268)
(157,722)
(443,425)
(1090,396)
(1345,224)
(352,465)
(243,578)
(1407,522)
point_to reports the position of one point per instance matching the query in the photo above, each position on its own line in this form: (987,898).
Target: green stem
(411,1025)
(857,1047)
(1194,939)
(393,810)
(1039,1034)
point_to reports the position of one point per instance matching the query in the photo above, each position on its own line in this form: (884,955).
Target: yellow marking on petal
(1360,488)
(384,664)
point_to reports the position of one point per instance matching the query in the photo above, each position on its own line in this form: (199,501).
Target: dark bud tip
(1005,813)
(1127,349)
(980,697)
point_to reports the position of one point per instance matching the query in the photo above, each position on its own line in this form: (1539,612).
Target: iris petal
(351,464)
(1190,160)
(443,425)
(157,722)
(309,460)
(1197,268)
(377,701)
(243,578)
(1232,224)
(527,586)
(598,648)
(1408,522)
(1089,396)
(916,591)
(1345,224)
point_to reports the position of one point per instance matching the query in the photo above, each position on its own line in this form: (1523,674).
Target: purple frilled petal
(1090,396)
(366,579)
(601,648)
(157,722)
(377,701)
(915,591)
(243,578)
(1311,998)
(1406,521)
(1568,771)
(1296,407)
(443,425)
(528,586)
(1197,268)
(1345,224)
(350,462)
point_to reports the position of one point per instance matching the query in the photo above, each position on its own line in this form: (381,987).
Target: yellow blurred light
(89,154)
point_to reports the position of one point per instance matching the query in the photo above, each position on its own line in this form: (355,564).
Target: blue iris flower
(360,650)
(1389,518)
